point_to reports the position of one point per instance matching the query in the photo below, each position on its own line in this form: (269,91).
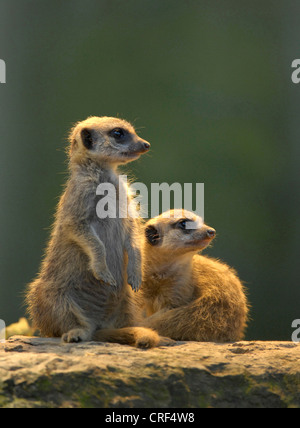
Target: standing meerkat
(85,286)
(188,296)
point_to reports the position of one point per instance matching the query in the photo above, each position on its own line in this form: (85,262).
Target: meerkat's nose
(211,233)
(146,146)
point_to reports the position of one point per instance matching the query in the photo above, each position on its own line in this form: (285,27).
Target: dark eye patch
(118,134)
(182,225)
(87,138)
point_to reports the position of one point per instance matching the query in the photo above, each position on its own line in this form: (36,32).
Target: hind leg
(166,341)
(146,338)
(140,337)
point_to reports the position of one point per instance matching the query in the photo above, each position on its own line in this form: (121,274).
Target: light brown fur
(92,265)
(188,296)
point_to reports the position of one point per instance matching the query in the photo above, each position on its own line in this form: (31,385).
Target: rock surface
(36,372)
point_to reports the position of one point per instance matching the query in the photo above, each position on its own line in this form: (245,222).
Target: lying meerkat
(188,296)
(83,283)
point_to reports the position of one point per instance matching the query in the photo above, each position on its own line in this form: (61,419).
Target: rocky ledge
(37,372)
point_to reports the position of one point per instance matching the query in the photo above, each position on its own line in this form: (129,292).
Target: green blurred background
(208,83)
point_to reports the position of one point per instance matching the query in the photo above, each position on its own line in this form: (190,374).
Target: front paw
(105,276)
(77,335)
(135,282)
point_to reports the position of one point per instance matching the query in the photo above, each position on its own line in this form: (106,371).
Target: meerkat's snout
(211,233)
(142,147)
(146,146)
(202,237)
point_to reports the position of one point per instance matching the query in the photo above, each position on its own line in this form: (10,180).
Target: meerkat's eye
(182,224)
(118,133)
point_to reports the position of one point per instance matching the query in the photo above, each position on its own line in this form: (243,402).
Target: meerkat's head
(176,233)
(106,140)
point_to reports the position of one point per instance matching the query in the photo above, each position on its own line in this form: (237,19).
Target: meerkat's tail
(139,337)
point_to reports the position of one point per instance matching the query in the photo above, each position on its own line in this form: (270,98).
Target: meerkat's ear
(87,138)
(152,235)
